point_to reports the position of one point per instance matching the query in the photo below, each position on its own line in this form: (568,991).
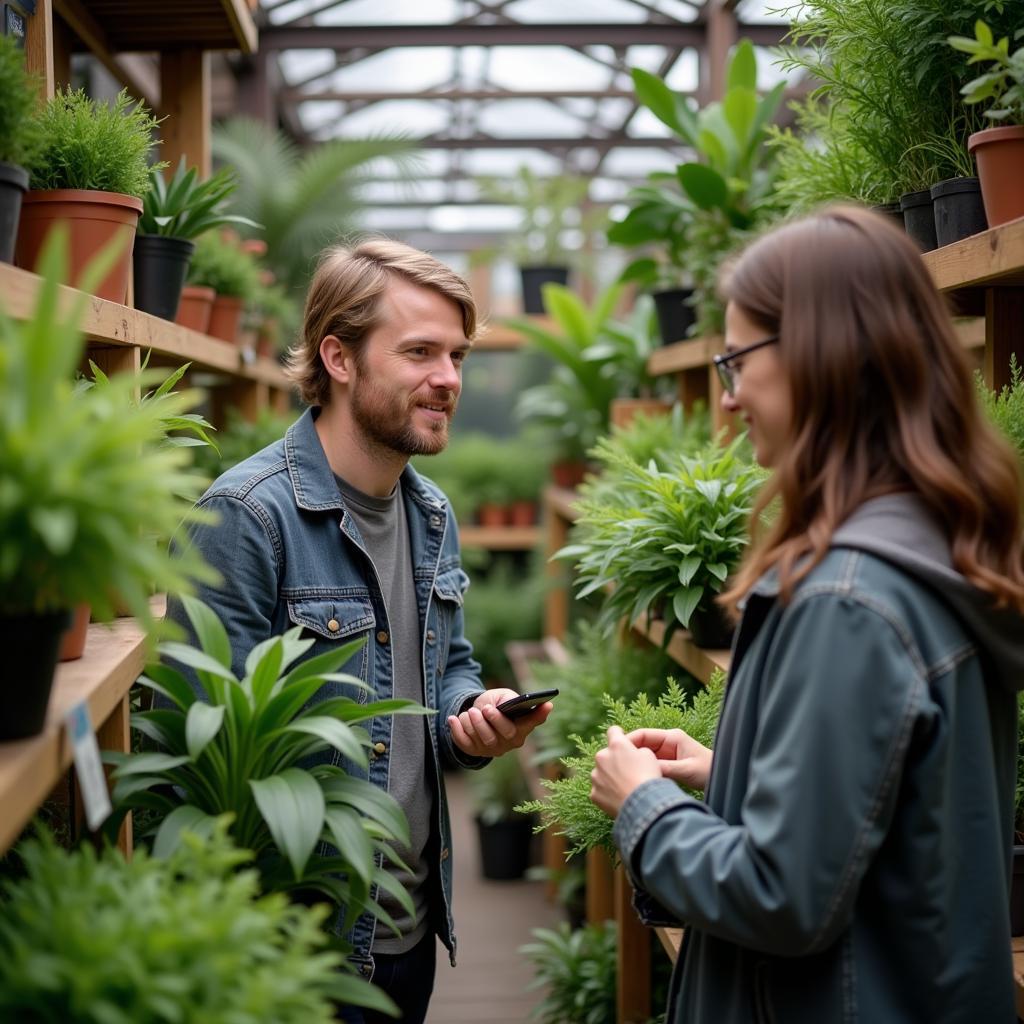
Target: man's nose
(446,376)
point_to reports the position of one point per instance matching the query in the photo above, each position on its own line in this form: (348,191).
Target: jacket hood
(900,529)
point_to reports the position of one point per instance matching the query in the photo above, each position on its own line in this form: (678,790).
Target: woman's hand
(618,769)
(680,757)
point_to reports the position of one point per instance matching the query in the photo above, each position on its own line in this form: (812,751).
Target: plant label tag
(86,752)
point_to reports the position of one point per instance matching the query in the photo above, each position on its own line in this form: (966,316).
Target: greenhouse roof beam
(453,95)
(551,143)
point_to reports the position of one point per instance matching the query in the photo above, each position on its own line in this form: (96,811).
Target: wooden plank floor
(492,920)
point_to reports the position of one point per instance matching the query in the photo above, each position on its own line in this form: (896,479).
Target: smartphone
(516,707)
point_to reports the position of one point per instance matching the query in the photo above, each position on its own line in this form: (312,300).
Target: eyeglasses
(723,363)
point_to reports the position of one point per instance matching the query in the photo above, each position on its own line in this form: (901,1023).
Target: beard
(385,419)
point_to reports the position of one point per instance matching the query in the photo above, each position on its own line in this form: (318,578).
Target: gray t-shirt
(383,526)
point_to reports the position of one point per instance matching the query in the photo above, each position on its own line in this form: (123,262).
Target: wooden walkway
(492,920)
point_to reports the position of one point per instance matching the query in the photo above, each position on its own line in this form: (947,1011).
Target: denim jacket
(290,554)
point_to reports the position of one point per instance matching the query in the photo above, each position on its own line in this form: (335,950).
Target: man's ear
(337,359)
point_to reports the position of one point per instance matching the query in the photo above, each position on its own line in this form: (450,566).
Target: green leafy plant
(237,745)
(220,264)
(1004,84)
(89,938)
(1006,409)
(568,808)
(19,131)
(88,144)
(663,540)
(186,207)
(86,483)
(498,788)
(578,971)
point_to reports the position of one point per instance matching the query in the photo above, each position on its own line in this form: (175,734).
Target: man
(331,529)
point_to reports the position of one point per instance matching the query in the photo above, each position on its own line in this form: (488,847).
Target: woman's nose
(728,402)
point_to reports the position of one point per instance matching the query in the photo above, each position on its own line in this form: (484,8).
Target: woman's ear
(337,359)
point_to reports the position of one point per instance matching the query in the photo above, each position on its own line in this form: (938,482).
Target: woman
(851,859)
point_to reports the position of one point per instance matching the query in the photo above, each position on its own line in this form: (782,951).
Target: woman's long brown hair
(882,397)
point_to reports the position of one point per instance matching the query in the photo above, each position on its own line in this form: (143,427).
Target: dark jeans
(407,977)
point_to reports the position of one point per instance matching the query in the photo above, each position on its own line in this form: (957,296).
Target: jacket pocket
(451,585)
(331,621)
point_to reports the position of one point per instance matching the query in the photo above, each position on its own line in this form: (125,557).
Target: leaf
(742,72)
(196,659)
(706,187)
(688,567)
(142,764)
(201,725)
(292,805)
(331,731)
(349,836)
(685,601)
(182,819)
(210,632)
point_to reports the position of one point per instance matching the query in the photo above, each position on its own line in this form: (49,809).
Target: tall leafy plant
(1004,82)
(19,131)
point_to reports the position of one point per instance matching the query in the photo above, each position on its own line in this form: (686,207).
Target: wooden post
(63,44)
(1004,333)
(721,36)
(633,971)
(115,359)
(185,103)
(600,887)
(113,734)
(247,396)
(39,46)
(556,601)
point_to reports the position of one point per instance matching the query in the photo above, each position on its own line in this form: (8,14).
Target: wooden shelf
(115,655)
(500,538)
(498,337)
(993,257)
(111,324)
(698,661)
(562,502)
(693,354)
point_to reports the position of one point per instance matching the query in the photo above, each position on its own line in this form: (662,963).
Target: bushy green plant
(577,969)
(186,207)
(237,746)
(1006,409)
(497,789)
(19,131)
(598,666)
(1004,84)
(86,483)
(221,264)
(241,438)
(88,144)
(89,938)
(568,808)
(663,540)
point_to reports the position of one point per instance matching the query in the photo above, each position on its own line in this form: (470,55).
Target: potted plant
(240,746)
(278,317)
(173,213)
(91,172)
(220,264)
(999,151)
(505,837)
(18,139)
(186,937)
(86,487)
(550,207)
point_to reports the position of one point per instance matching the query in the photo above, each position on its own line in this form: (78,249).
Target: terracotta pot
(94,219)
(623,410)
(490,513)
(72,644)
(999,154)
(523,513)
(225,318)
(568,474)
(195,307)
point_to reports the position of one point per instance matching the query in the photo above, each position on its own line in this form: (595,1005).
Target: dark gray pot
(13,185)
(919,218)
(534,278)
(959,210)
(160,264)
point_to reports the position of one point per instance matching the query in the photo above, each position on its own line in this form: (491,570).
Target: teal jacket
(851,859)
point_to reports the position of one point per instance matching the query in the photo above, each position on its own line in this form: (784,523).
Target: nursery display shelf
(29,769)
(698,661)
(113,324)
(562,501)
(692,354)
(993,257)
(500,538)
(500,338)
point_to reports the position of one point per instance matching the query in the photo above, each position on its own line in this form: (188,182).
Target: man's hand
(680,757)
(618,769)
(483,731)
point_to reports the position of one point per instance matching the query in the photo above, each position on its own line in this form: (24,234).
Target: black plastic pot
(890,210)
(959,210)
(533,279)
(32,643)
(160,264)
(675,315)
(919,218)
(1017,893)
(505,848)
(710,627)
(13,185)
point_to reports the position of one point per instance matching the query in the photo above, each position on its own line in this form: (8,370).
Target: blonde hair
(344,300)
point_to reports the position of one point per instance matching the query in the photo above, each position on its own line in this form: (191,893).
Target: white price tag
(86,753)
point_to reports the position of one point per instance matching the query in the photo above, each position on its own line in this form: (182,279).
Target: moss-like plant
(19,132)
(222,265)
(88,144)
(1006,409)
(89,938)
(569,809)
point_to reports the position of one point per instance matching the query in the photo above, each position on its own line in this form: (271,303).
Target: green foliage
(305,199)
(86,482)
(90,938)
(497,788)
(1004,84)
(569,810)
(221,265)
(1006,409)
(88,144)
(598,666)
(578,971)
(663,540)
(279,314)
(186,207)
(888,116)
(242,438)
(238,745)
(19,131)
